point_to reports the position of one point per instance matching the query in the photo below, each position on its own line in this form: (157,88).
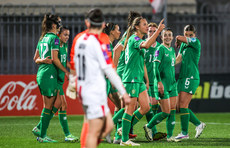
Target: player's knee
(145,109)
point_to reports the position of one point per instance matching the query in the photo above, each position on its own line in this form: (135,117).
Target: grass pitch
(16,132)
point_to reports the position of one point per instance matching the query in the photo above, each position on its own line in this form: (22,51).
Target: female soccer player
(164,86)
(149,62)
(47,72)
(119,63)
(60,102)
(112,30)
(133,74)
(91,63)
(189,79)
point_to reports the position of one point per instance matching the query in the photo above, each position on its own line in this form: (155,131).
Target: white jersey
(90,60)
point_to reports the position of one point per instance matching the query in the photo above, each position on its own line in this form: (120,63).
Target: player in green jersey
(189,79)
(149,62)
(119,63)
(113,31)
(47,72)
(164,86)
(133,75)
(60,102)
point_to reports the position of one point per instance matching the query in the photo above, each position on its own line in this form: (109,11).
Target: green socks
(184,117)
(64,123)
(193,118)
(136,117)
(126,124)
(118,115)
(155,108)
(44,122)
(54,110)
(149,114)
(157,119)
(170,123)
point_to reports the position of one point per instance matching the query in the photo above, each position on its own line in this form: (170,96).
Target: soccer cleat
(45,140)
(199,129)
(129,143)
(116,141)
(148,133)
(182,136)
(71,138)
(36,131)
(158,136)
(132,136)
(119,131)
(108,138)
(173,139)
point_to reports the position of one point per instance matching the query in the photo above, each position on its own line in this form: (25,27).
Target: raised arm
(153,38)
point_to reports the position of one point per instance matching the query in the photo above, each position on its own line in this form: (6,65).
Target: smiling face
(116,32)
(167,37)
(143,26)
(64,36)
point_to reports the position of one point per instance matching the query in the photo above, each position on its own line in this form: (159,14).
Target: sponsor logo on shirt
(157,53)
(108,47)
(137,38)
(56,42)
(166,55)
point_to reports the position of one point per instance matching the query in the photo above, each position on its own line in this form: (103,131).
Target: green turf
(16,132)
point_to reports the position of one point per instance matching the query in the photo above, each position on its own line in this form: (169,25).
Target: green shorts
(134,89)
(188,85)
(109,88)
(47,87)
(151,91)
(60,88)
(167,94)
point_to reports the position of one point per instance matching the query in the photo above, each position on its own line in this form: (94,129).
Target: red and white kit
(92,63)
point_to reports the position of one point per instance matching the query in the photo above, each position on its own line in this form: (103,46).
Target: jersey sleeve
(159,54)
(55,43)
(193,42)
(102,55)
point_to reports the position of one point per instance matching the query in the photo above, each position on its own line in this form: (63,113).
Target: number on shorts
(187,82)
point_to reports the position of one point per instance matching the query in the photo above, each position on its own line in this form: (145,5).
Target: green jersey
(62,56)
(149,61)
(49,42)
(134,60)
(190,58)
(167,58)
(121,62)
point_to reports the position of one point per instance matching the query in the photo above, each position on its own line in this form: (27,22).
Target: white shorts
(95,111)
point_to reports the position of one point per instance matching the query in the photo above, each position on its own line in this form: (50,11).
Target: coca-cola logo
(21,101)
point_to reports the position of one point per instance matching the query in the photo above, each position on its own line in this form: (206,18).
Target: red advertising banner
(20,96)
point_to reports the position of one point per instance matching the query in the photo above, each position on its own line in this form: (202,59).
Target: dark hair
(132,15)
(190,28)
(63,28)
(132,29)
(109,27)
(166,29)
(47,23)
(95,17)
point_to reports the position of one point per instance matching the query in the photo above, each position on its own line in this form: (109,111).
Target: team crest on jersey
(157,53)
(56,42)
(133,91)
(137,38)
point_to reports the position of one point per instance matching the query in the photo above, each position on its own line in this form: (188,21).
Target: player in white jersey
(92,62)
